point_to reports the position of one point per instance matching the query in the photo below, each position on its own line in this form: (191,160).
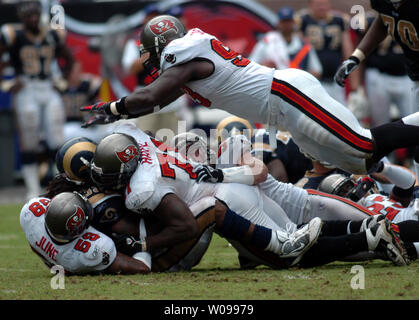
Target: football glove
(208,174)
(127,244)
(100,107)
(345,69)
(100,119)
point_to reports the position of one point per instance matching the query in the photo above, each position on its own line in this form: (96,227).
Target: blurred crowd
(48,85)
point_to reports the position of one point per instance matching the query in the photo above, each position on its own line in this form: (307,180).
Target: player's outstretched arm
(375,34)
(124,264)
(165,89)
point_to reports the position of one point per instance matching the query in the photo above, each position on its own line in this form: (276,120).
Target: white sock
(399,176)
(274,245)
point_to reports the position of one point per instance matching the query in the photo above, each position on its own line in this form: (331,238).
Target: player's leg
(332,207)
(335,91)
(28,116)
(402,97)
(265,243)
(381,238)
(321,126)
(289,197)
(54,121)
(328,131)
(378,97)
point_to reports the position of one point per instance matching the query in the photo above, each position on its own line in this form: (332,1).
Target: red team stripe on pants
(320,115)
(347,201)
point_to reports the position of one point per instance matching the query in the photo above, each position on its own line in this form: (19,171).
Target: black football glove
(345,70)
(208,174)
(127,244)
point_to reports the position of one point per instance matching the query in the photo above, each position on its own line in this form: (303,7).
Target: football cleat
(294,245)
(370,222)
(383,237)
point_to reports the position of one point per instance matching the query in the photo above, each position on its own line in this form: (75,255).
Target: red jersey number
(379,208)
(84,245)
(39,208)
(165,159)
(227,54)
(196,97)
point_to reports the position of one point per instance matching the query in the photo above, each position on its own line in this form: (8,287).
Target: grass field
(24,276)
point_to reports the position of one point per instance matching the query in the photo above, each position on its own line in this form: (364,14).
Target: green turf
(24,276)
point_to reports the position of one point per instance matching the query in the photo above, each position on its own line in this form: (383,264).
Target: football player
(216,76)
(386,79)
(58,232)
(399,19)
(400,206)
(38,106)
(328,32)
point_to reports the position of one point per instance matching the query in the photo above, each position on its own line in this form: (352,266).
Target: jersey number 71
(165,159)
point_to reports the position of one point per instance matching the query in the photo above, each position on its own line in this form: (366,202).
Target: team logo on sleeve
(127,154)
(162,27)
(74,222)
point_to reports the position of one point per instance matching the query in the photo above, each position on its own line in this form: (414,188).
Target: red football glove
(100,107)
(100,119)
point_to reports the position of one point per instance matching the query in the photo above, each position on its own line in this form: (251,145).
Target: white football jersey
(92,251)
(162,170)
(237,85)
(392,209)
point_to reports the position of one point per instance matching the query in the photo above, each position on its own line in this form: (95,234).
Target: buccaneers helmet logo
(162,27)
(127,154)
(74,222)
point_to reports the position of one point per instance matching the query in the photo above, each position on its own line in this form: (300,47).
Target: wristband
(359,55)
(144,257)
